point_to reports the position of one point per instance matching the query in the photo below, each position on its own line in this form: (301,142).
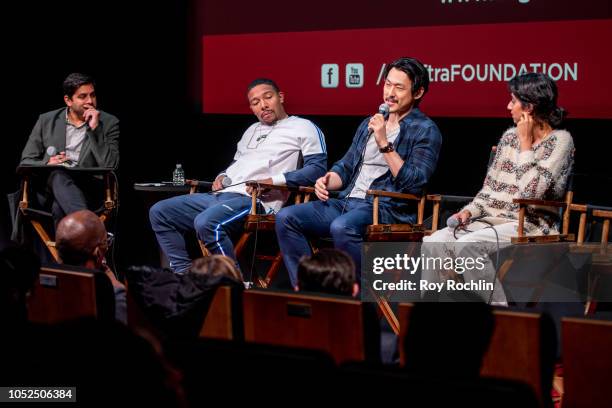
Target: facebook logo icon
(329,75)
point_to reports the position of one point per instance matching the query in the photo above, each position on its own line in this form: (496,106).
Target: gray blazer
(100,147)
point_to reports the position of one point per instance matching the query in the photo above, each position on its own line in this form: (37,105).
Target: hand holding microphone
(217,184)
(222,181)
(462,218)
(377,125)
(56,159)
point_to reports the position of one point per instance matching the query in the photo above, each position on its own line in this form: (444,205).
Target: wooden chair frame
(259,222)
(33,215)
(395,232)
(601,258)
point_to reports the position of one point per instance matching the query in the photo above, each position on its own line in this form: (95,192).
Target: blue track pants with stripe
(215,217)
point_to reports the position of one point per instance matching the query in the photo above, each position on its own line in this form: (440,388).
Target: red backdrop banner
(340,72)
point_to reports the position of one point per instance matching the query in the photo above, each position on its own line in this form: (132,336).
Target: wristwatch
(388,148)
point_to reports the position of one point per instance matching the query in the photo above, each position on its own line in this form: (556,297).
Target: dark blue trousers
(346,225)
(215,217)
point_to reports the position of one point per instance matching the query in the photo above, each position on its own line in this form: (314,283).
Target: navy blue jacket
(418,144)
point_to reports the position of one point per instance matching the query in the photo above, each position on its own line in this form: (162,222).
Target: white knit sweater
(539,173)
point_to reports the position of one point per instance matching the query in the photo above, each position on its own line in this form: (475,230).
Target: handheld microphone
(453,222)
(383,109)
(226,182)
(52,151)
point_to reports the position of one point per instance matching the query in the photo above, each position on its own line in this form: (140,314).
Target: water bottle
(178,176)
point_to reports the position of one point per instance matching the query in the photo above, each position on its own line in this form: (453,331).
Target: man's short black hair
(263,81)
(76,80)
(415,70)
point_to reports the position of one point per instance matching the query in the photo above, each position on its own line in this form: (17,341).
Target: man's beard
(78,112)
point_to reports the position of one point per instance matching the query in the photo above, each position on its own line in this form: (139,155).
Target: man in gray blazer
(78,135)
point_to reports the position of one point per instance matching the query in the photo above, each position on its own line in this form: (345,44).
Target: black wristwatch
(388,148)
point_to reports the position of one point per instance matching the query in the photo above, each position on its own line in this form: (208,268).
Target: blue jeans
(214,217)
(297,223)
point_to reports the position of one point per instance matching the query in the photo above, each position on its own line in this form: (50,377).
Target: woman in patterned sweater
(533,160)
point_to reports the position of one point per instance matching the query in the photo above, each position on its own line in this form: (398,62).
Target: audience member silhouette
(448,339)
(19,269)
(329,270)
(176,304)
(82,240)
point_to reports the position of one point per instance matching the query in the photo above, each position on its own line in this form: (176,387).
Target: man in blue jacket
(396,155)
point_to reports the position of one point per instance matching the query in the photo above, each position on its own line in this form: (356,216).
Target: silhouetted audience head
(81,240)
(175,305)
(327,271)
(448,339)
(214,268)
(19,269)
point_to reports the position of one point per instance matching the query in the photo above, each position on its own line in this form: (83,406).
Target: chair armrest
(602,213)
(455,198)
(198,183)
(440,201)
(26,170)
(311,190)
(307,190)
(598,211)
(527,201)
(402,196)
(255,184)
(302,193)
(524,202)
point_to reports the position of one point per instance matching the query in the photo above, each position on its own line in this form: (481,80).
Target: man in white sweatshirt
(269,152)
